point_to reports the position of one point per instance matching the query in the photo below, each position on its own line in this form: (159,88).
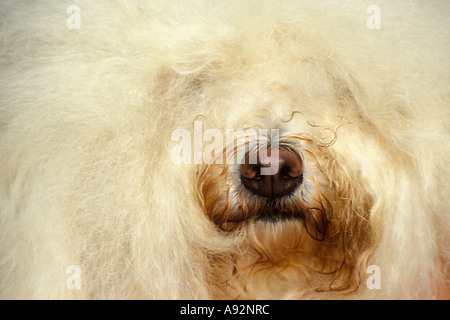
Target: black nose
(274,183)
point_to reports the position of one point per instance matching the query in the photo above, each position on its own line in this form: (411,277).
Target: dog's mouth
(274,211)
(268,186)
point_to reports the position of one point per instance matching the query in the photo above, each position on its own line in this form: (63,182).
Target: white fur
(86,117)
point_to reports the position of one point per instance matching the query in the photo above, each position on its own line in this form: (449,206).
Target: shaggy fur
(86,176)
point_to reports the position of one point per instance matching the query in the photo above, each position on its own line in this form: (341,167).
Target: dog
(224,150)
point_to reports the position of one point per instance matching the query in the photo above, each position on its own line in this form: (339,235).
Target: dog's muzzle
(272,173)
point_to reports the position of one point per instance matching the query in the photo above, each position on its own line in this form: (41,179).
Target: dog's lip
(271,211)
(277,216)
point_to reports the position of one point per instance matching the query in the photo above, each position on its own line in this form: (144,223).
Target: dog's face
(329,207)
(297,211)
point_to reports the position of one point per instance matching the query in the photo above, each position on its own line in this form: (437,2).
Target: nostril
(286,173)
(249,171)
(291,166)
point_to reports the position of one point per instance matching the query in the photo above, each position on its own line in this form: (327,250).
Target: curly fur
(86,118)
